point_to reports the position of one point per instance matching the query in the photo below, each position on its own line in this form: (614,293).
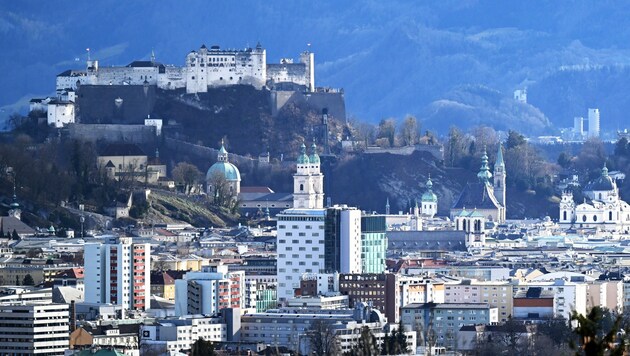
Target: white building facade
(209,290)
(603,209)
(118,272)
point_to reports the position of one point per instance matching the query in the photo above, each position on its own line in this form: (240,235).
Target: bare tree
(322,339)
(186,174)
(409,131)
(387,130)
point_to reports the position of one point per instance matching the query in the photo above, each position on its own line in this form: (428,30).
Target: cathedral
(487,196)
(223,169)
(602,207)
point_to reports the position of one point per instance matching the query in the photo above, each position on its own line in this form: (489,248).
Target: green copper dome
(302,158)
(314,158)
(223,167)
(429,196)
(226,169)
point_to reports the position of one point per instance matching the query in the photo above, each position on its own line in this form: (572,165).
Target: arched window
(610,215)
(584,218)
(600,196)
(464,225)
(564,215)
(301,187)
(594,217)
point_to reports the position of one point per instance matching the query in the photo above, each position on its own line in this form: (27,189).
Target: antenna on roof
(88,53)
(152,56)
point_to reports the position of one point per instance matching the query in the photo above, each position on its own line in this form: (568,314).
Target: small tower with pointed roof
(387,207)
(499,177)
(429,200)
(15,210)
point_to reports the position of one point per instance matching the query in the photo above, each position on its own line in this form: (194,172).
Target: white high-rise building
(34,328)
(209,290)
(578,126)
(593,123)
(118,272)
(312,239)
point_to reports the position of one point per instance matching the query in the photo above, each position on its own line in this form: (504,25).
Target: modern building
(373,243)
(290,327)
(172,335)
(388,292)
(446,319)
(316,241)
(593,123)
(207,292)
(117,271)
(34,328)
(497,294)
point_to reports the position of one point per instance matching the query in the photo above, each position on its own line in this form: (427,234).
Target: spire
(152,56)
(14,204)
(499,161)
(605,170)
(484,174)
(387,207)
(429,183)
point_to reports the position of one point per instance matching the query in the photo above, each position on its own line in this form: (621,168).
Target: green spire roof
(302,158)
(314,158)
(499,161)
(605,171)
(484,174)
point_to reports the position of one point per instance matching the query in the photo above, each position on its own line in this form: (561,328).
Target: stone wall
(138,134)
(334,101)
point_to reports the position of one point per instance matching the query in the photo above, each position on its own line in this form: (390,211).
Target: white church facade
(602,207)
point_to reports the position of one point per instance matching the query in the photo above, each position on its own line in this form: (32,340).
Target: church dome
(429,196)
(603,183)
(226,169)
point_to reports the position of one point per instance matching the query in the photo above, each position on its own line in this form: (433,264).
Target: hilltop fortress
(205,68)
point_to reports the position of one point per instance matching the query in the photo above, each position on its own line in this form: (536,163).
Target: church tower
(429,200)
(499,177)
(308,181)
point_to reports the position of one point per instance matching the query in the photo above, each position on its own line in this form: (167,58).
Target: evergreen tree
(28,280)
(202,347)
(594,336)
(14,235)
